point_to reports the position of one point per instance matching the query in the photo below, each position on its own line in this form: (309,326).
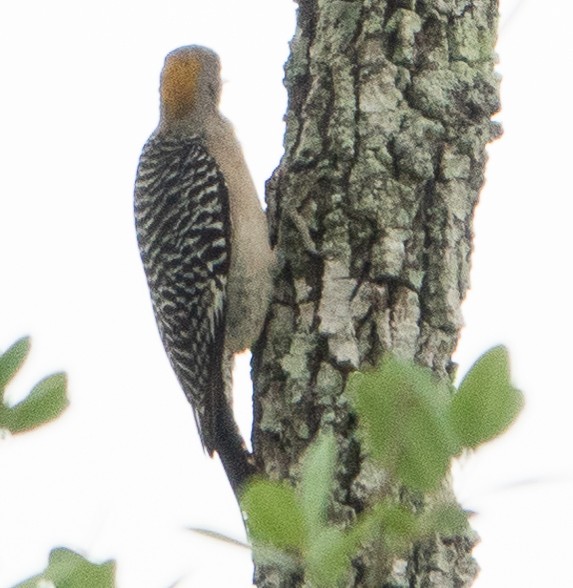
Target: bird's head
(190,85)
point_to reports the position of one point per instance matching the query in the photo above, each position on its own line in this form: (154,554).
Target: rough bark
(389,113)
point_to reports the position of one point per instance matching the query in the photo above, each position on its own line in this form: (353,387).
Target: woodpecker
(204,244)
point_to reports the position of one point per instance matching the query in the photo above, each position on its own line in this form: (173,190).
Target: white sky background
(121,473)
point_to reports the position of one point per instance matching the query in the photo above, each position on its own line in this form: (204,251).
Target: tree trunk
(389,113)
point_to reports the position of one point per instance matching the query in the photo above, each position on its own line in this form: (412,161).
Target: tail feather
(226,437)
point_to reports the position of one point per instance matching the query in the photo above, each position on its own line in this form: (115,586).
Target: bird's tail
(228,442)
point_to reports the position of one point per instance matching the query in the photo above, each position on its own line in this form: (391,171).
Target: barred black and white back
(183,230)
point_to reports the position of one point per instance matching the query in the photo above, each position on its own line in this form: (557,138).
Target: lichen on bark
(390,106)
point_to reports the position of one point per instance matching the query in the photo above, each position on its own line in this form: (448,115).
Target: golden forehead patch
(179,80)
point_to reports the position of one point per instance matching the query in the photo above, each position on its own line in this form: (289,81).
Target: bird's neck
(195,122)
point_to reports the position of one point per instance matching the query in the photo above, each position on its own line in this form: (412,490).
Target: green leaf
(404,414)
(272,556)
(443,519)
(486,402)
(11,361)
(327,559)
(67,569)
(392,523)
(273,515)
(46,401)
(316,482)
(387,525)
(399,527)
